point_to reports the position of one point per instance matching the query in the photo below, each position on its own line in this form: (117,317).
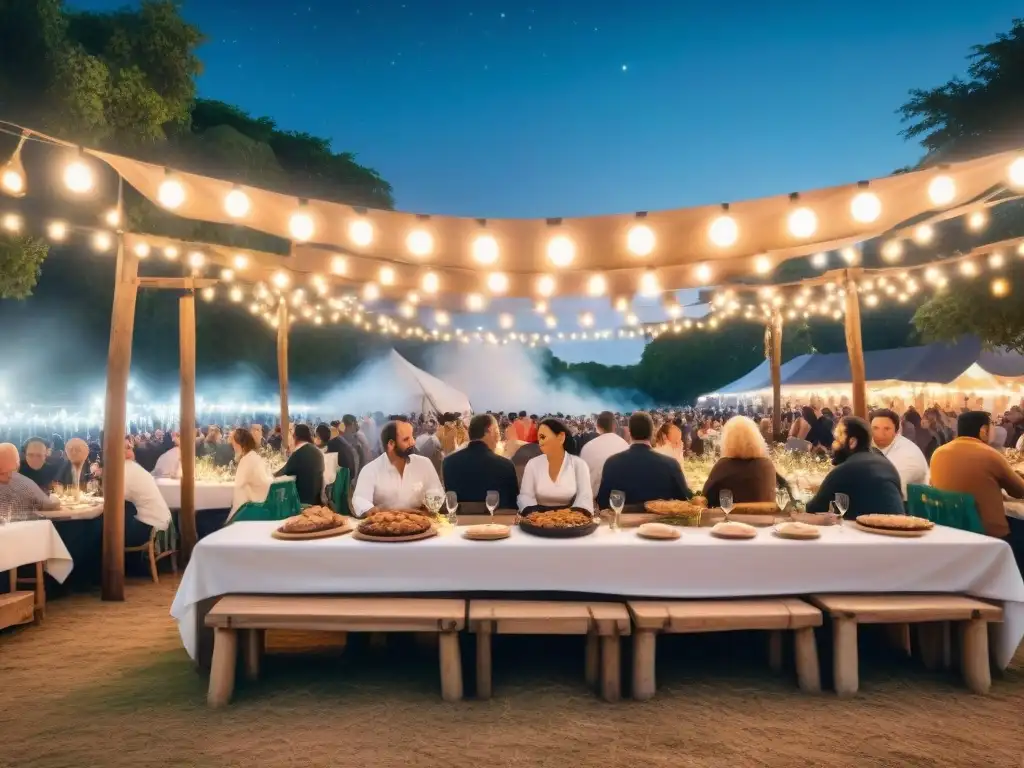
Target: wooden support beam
(119,358)
(177,283)
(187,421)
(854,346)
(775,357)
(282,372)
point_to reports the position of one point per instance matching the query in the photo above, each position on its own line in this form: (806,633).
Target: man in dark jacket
(640,472)
(306,465)
(476,469)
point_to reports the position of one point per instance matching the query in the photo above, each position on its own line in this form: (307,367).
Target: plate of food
(677,512)
(906,526)
(799,531)
(395,525)
(658,532)
(313,523)
(486,532)
(558,523)
(733,530)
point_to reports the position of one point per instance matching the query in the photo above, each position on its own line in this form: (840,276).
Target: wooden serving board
(340,530)
(885,532)
(357,534)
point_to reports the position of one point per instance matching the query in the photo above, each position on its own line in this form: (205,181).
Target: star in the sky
(625,67)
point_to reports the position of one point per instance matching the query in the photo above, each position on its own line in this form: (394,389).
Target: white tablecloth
(243,558)
(84,512)
(209,495)
(34,541)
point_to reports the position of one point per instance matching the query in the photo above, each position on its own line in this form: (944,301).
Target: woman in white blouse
(253,476)
(555,478)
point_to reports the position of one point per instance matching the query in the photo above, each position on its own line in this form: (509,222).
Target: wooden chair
(972,616)
(23,607)
(156,549)
(776,615)
(602,623)
(254,614)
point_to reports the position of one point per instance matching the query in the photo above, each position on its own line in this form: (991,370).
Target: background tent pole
(187,421)
(282,372)
(854,345)
(775,355)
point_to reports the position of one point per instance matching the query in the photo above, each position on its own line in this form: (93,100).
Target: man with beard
(868,478)
(398,478)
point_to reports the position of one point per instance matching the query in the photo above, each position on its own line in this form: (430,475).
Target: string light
(196,260)
(649,285)
(11,222)
(546,285)
(586,319)
(924,234)
(640,240)
(413,298)
(360,232)
(871,300)
(171,193)
(441,318)
(942,190)
(407,310)
(849,255)
(430,283)
(723,231)
(78,177)
(280,279)
(12,174)
(171,253)
(802,223)
(996,260)
(968,269)
(237,204)
(762,265)
(597,285)
(209,293)
(386,275)
(420,242)
(819,260)
(621,304)
(1000,287)
(58,230)
(497,282)
(371,292)
(1016,173)
(101,241)
(241,261)
(475,302)
(301,225)
(540,307)
(865,207)
(235,294)
(892,250)
(561,251)
(977,220)
(703,274)
(551,321)
(485,250)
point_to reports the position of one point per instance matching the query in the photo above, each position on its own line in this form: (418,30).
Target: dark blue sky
(535,108)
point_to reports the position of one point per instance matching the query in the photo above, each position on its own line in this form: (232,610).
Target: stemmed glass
(491,500)
(434,499)
(725,502)
(451,501)
(842,503)
(782,499)
(616,500)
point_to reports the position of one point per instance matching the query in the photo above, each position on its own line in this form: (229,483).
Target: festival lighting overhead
(597,285)
(196,260)
(280,279)
(171,193)
(802,223)
(996,260)
(407,310)
(586,319)
(968,269)
(57,230)
(227,275)
(101,241)
(485,249)
(237,204)
(865,207)
(420,243)
(1016,173)
(430,282)
(208,293)
(924,234)
(649,285)
(724,231)
(942,190)
(762,265)
(551,321)
(849,255)
(441,318)
(371,292)
(235,294)
(142,250)
(497,283)
(1000,287)
(301,225)
(819,260)
(171,253)
(11,222)
(12,174)
(386,276)
(561,251)
(506,321)
(112,217)
(78,176)
(360,232)
(977,221)
(703,274)
(546,285)
(892,250)
(640,240)
(475,302)
(240,261)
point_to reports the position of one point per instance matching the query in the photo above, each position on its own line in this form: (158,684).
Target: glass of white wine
(616,500)
(451,501)
(491,500)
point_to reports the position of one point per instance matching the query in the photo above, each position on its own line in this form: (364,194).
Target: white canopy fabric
(426,393)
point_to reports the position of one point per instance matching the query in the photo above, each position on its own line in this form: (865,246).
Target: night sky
(564,108)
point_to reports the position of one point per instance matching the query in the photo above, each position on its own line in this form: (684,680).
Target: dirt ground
(108,684)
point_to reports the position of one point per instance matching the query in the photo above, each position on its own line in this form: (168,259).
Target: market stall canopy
(961,365)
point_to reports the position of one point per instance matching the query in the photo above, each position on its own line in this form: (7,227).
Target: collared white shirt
(169,464)
(597,451)
(252,481)
(140,489)
(909,461)
(572,487)
(380,484)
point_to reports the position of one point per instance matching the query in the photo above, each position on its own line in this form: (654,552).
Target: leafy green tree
(21,260)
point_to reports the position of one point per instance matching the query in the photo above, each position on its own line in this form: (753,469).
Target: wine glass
(842,502)
(434,499)
(491,500)
(451,501)
(616,500)
(725,502)
(782,499)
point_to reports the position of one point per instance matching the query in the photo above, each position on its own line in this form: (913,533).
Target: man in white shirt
(902,452)
(397,478)
(597,451)
(140,489)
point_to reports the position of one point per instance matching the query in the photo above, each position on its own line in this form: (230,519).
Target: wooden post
(187,422)
(855,347)
(282,372)
(775,355)
(119,359)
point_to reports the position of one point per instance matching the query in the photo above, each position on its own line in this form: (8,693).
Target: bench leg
(611,668)
(222,671)
(643,664)
(593,659)
(805,649)
(252,652)
(483,661)
(975,665)
(775,650)
(930,640)
(451,666)
(40,593)
(845,662)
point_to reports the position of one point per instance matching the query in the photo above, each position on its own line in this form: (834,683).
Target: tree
(21,260)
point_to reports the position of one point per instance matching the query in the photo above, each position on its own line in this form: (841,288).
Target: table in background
(243,559)
(34,541)
(209,494)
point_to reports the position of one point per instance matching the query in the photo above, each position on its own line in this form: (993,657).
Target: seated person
(868,478)
(169,463)
(75,471)
(17,492)
(640,472)
(903,453)
(252,476)
(398,478)
(556,478)
(330,441)
(477,469)
(306,465)
(35,466)
(744,468)
(142,492)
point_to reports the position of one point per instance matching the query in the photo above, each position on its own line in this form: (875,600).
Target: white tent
(392,384)
(425,392)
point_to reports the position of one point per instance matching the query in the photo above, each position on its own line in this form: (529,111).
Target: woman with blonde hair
(744,468)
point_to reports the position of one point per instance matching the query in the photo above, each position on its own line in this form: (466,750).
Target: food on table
(658,531)
(558,518)
(895,522)
(699,501)
(798,530)
(312,520)
(391,522)
(734,530)
(487,531)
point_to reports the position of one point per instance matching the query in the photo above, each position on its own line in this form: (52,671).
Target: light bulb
(235,294)
(227,275)
(723,231)
(968,268)
(412,297)
(11,222)
(762,265)
(621,304)
(101,241)
(497,282)
(301,226)
(386,276)
(649,285)
(280,279)
(587,319)
(209,293)
(371,292)
(597,285)
(196,260)
(360,232)
(977,220)
(171,253)
(171,194)
(871,300)
(546,285)
(561,251)
(942,190)
(407,310)
(142,250)
(632,319)
(924,234)
(996,260)
(237,204)
(57,230)
(819,260)
(865,207)
(540,307)
(485,249)
(430,283)
(703,274)
(640,240)
(475,302)
(1000,287)
(849,255)
(802,223)
(1016,173)
(420,242)
(12,182)
(441,317)
(78,177)
(551,321)
(892,250)
(241,261)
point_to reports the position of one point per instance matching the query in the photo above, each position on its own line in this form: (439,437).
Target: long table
(34,541)
(243,558)
(209,494)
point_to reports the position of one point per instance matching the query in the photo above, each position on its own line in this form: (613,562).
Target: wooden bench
(847,611)
(36,598)
(688,616)
(254,614)
(602,623)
